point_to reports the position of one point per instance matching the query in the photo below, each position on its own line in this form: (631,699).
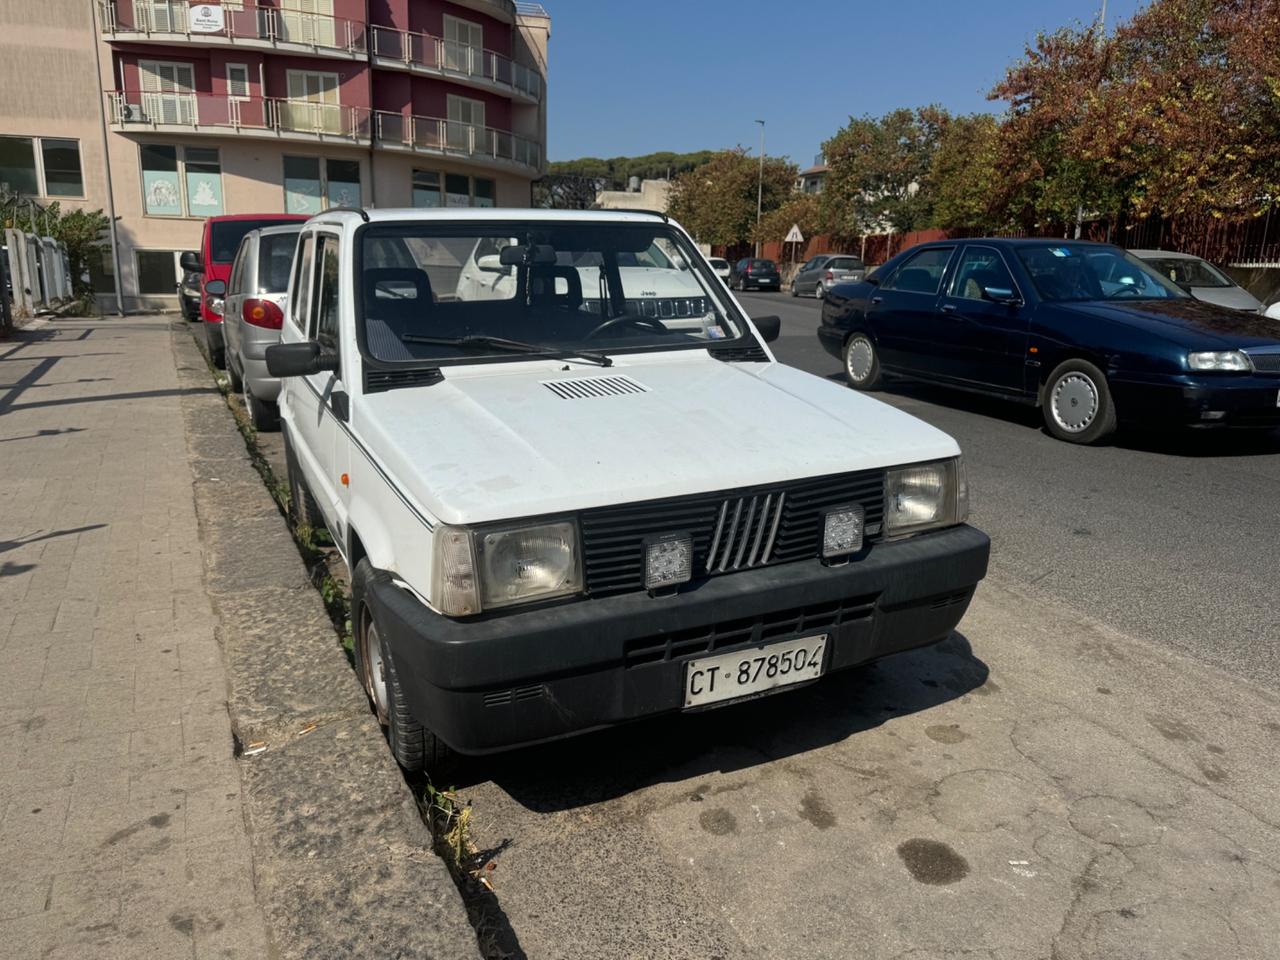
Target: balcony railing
(451,138)
(138,109)
(253,23)
(458,59)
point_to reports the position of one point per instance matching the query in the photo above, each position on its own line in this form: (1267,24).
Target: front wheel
(794,291)
(861,363)
(1077,403)
(414,746)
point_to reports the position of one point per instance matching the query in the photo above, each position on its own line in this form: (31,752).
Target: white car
(562,511)
(720,267)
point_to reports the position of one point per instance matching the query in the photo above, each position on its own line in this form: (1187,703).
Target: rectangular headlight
(1234,360)
(485,569)
(925,497)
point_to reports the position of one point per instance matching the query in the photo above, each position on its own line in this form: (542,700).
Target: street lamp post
(759,187)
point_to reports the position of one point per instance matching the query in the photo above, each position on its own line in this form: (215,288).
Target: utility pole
(759,187)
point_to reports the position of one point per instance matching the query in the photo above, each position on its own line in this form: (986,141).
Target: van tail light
(262,313)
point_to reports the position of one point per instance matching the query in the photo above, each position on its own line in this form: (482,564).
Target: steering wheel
(1125,288)
(629,319)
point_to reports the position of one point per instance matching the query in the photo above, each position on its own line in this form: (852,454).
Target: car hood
(1237,298)
(1190,322)
(494,441)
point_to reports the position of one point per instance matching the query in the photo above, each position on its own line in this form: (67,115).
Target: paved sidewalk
(121,832)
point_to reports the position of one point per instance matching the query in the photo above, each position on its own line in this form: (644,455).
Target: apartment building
(167,112)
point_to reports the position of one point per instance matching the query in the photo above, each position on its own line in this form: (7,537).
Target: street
(1167,537)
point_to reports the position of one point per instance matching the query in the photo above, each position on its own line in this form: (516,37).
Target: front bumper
(1225,400)
(499,681)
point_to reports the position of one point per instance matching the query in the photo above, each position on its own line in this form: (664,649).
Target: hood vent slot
(585,388)
(750,353)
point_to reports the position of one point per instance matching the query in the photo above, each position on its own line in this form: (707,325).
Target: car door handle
(948,308)
(877,299)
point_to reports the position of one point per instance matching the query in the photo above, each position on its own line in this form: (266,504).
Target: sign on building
(207,18)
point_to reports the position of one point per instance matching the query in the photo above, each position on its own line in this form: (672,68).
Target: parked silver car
(1200,278)
(253,312)
(818,274)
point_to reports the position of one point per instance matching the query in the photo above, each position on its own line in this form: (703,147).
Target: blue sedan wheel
(1077,403)
(861,364)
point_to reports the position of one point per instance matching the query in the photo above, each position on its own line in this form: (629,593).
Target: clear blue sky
(632,78)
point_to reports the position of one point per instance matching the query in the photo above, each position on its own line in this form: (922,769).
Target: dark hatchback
(755,274)
(1083,330)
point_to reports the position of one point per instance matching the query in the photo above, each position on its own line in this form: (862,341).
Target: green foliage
(716,201)
(963,176)
(802,210)
(878,169)
(83,231)
(613,174)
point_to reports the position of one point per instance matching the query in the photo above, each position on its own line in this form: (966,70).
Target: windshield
(563,286)
(1077,272)
(227,235)
(1191,272)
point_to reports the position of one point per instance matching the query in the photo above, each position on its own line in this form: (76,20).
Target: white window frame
(231,94)
(179,95)
(474,50)
(37,150)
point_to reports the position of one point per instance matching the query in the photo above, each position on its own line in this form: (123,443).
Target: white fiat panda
(574,487)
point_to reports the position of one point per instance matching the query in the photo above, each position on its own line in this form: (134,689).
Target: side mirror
(215,288)
(302,359)
(769,327)
(190,261)
(492,263)
(871,279)
(1002,295)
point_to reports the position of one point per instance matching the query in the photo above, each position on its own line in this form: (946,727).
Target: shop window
(177,180)
(426,188)
(157,272)
(486,193)
(313,183)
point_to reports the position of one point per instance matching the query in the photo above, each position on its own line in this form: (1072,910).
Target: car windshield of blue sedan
(1076,272)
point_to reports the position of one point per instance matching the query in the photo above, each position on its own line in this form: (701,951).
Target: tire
(1076,403)
(818,291)
(263,415)
(414,746)
(303,509)
(217,346)
(794,291)
(234,378)
(861,363)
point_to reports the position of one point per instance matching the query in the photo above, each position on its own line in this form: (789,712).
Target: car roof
(487,215)
(277,230)
(258,216)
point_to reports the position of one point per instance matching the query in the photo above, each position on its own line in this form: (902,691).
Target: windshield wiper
(512,346)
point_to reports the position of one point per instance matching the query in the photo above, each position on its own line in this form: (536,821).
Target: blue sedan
(1084,331)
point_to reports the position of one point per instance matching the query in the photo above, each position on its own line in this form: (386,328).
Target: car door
(983,322)
(809,274)
(300,402)
(327,431)
(234,300)
(903,309)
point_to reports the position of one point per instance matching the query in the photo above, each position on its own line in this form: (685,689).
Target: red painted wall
(430,99)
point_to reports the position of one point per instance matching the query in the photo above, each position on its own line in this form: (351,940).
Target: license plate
(758,670)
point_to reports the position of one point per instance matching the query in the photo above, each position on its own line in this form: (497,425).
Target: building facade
(167,112)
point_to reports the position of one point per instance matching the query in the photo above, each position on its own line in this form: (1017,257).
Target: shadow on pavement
(683,747)
(7,545)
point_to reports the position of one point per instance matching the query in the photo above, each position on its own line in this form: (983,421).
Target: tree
(562,191)
(802,210)
(614,173)
(963,175)
(716,202)
(878,170)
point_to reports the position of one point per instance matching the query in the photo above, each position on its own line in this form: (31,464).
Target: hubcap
(859,358)
(818,291)
(375,670)
(1074,402)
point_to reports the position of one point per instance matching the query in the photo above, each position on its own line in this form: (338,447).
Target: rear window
(718,264)
(845,263)
(763,265)
(275,257)
(227,235)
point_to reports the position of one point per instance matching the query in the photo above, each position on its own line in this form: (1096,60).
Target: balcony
(467,65)
(486,146)
(253,27)
(265,118)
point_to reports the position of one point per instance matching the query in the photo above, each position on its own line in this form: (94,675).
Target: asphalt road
(1173,538)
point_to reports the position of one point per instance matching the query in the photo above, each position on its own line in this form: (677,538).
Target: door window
(920,273)
(302,283)
(236,283)
(324,309)
(979,268)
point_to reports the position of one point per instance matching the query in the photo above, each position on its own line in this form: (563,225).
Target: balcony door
(466,124)
(313,102)
(168,92)
(463,45)
(161,16)
(308,21)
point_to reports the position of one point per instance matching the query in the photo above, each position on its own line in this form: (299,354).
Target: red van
(218,245)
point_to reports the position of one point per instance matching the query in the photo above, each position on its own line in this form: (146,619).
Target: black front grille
(1266,362)
(748,631)
(613,537)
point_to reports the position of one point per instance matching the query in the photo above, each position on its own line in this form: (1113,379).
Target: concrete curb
(342,861)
